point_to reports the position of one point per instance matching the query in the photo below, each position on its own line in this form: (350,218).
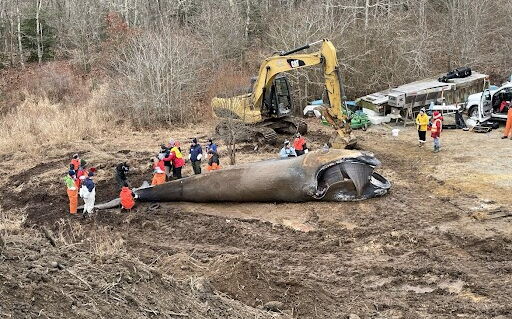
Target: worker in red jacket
(299,144)
(435,131)
(508,125)
(176,157)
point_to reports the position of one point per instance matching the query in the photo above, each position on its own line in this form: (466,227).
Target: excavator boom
(336,113)
(269,104)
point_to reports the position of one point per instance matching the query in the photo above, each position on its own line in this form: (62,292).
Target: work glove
(199,157)
(189,155)
(306,151)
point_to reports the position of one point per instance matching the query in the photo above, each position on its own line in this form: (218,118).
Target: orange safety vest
(75,163)
(126,198)
(436,127)
(158,178)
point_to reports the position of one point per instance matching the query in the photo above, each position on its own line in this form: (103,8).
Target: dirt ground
(439,245)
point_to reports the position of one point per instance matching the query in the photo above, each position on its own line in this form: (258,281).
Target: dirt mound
(69,280)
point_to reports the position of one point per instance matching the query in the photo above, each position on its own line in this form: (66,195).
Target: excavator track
(301,125)
(265,135)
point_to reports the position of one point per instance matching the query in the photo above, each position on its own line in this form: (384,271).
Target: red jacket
(437,127)
(176,161)
(80,173)
(298,143)
(75,163)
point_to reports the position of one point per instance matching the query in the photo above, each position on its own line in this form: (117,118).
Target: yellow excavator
(266,111)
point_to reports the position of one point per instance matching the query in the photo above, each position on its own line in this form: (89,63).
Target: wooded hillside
(164,60)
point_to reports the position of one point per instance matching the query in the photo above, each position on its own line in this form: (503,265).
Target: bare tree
(158,78)
(39,32)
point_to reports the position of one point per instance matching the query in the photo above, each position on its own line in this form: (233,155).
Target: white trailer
(407,99)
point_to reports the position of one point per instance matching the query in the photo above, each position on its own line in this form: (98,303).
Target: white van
(485,105)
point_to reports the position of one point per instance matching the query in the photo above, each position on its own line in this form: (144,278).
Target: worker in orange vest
(159,171)
(435,131)
(72,190)
(299,144)
(508,125)
(126,197)
(75,163)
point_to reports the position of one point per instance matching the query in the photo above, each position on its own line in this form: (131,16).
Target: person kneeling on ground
(210,146)
(88,193)
(437,127)
(195,155)
(422,123)
(287,150)
(213,161)
(121,170)
(158,171)
(126,197)
(299,144)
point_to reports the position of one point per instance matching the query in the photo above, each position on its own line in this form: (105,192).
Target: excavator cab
(278,102)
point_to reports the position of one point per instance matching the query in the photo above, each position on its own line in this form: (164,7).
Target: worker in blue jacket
(211,146)
(287,150)
(195,155)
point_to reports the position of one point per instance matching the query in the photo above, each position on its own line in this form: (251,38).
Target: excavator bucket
(342,139)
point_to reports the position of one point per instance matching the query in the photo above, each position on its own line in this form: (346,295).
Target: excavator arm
(336,113)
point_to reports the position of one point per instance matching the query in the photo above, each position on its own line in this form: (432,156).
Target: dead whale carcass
(333,175)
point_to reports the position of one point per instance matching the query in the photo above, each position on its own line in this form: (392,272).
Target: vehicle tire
(473,111)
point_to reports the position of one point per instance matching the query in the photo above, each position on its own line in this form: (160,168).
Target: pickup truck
(485,105)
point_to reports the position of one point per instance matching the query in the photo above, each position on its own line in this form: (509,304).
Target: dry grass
(11,221)
(100,241)
(104,243)
(37,122)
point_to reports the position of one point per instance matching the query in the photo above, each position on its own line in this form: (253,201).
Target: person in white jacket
(88,193)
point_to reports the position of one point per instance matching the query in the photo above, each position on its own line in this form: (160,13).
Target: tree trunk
(248,18)
(366,13)
(126,13)
(39,33)
(20,47)
(11,40)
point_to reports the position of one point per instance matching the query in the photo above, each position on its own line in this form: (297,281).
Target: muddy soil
(432,248)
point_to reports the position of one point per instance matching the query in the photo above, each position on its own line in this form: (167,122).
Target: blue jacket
(287,152)
(89,184)
(194,151)
(212,147)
